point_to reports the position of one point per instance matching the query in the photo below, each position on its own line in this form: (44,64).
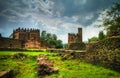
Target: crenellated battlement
(26,30)
(30,37)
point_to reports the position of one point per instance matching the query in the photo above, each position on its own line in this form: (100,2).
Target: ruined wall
(34,39)
(22,38)
(77,46)
(30,37)
(75,38)
(10,43)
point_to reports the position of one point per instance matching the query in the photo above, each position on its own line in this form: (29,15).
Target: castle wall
(32,44)
(31,37)
(22,38)
(10,43)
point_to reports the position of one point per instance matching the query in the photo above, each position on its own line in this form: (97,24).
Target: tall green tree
(93,39)
(111,20)
(43,34)
(59,44)
(54,37)
(65,45)
(101,35)
(50,40)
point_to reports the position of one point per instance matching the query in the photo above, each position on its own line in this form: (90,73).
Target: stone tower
(79,35)
(75,38)
(30,37)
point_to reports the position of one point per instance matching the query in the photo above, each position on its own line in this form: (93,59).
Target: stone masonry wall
(10,43)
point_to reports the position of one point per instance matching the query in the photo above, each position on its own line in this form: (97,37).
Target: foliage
(50,40)
(59,44)
(65,45)
(111,20)
(93,39)
(101,35)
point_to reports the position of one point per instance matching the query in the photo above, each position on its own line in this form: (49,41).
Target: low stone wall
(77,46)
(79,54)
(10,43)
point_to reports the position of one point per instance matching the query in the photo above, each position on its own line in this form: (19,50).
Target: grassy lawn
(27,68)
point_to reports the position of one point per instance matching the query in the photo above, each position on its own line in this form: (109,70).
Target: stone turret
(75,38)
(79,35)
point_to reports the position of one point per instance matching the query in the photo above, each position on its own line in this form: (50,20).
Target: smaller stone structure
(75,40)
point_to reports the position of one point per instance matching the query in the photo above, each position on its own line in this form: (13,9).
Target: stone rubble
(45,66)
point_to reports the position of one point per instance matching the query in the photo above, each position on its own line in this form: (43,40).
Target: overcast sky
(55,16)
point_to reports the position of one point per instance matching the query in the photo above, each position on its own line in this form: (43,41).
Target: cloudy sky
(55,16)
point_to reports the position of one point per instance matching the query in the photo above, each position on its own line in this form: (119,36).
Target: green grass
(78,69)
(27,68)
(26,52)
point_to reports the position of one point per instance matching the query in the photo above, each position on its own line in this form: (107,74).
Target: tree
(51,43)
(65,45)
(59,44)
(43,38)
(50,40)
(111,20)
(43,34)
(93,39)
(54,37)
(101,35)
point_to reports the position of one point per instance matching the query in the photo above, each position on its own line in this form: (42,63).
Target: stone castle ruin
(22,38)
(30,38)
(75,40)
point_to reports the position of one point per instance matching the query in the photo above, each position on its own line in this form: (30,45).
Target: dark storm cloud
(86,11)
(83,8)
(50,15)
(16,11)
